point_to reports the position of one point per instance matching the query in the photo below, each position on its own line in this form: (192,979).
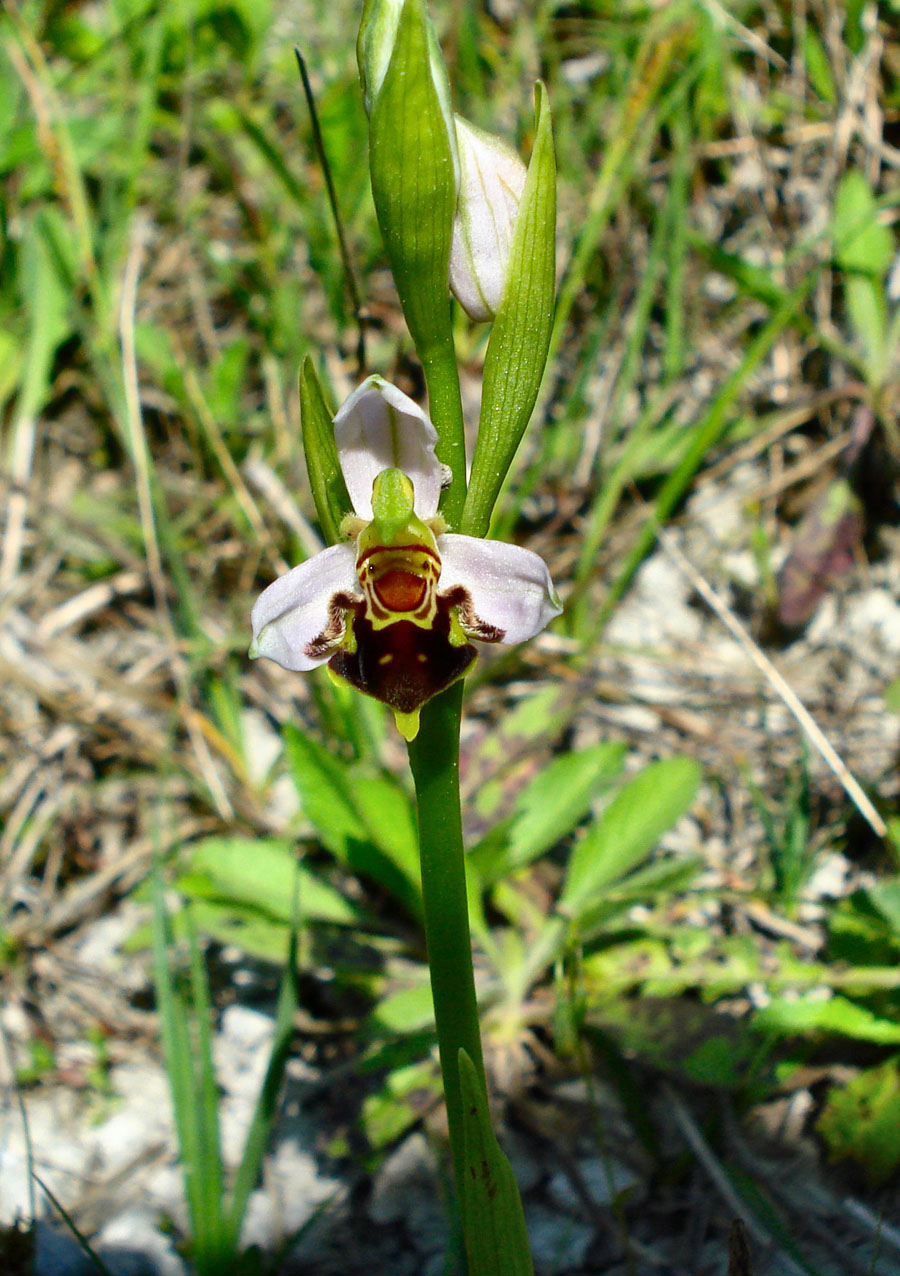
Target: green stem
(445,409)
(434,758)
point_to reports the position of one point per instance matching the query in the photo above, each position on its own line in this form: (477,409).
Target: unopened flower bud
(492,178)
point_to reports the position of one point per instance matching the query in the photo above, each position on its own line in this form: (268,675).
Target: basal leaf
(628,829)
(861,243)
(860,1121)
(549,809)
(837,1017)
(262,873)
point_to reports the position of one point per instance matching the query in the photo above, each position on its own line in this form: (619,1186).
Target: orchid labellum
(392,610)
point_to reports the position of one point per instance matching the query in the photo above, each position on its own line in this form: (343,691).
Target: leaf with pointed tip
(414,182)
(322,465)
(520,337)
(628,829)
(493,1220)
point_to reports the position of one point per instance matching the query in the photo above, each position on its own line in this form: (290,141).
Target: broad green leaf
(837,1016)
(323,783)
(366,821)
(549,809)
(407,1094)
(885,895)
(408,1010)
(388,812)
(861,243)
(230,922)
(322,465)
(535,717)
(493,1220)
(262,873)
(860,1121)
(520,337)
(628,829)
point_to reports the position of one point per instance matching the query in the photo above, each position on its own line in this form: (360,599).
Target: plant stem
(434,758)
(445,410)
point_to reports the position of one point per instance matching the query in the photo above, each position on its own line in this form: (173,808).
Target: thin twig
(66,1217)
(791,700)
(692,1135)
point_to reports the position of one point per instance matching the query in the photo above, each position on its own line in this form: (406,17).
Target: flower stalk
(434,761)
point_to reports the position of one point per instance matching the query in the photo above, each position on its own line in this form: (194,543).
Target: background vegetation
(724,383)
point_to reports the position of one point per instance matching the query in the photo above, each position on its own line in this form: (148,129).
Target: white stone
(558,1242)
(131,1245)
(602,1179)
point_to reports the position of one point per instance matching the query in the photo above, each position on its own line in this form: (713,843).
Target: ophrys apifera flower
(393,609)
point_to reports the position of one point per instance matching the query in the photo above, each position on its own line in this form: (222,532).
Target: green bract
(517,350)
(325,478)
(375,45)
(411,155)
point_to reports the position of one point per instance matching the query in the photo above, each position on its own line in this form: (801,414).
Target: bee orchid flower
(394,608)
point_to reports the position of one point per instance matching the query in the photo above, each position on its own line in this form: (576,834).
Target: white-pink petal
(295,612)
(380,428)
(510,587)
(492,178)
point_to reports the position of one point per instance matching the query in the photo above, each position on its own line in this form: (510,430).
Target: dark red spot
(400,591)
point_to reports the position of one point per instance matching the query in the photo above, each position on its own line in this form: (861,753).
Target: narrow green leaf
(493,1220)
(818,68)
(206,1100)
(323,784)
(867,310)
(325,478)
(628,829)
(388,813)
(177,1052)
(266,1104)
(520,337)
(667,877)
(45,301)
(885,895)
